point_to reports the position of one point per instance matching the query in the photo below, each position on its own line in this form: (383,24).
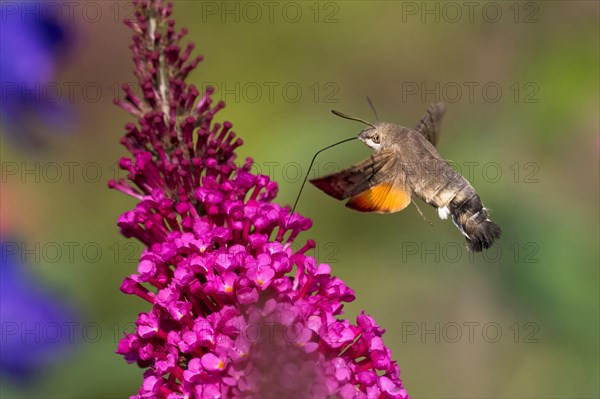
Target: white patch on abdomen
(443,212)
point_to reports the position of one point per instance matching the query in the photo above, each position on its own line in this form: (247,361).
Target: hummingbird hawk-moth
(404,163)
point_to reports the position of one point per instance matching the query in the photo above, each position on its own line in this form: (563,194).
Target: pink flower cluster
(236,312)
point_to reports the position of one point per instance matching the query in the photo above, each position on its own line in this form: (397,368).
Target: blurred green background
(521,85)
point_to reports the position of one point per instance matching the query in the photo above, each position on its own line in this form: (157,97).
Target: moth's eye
(376,139)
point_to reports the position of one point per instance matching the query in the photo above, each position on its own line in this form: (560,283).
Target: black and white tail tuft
(471,218)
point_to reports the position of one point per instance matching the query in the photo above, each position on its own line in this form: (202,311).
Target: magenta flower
(236,313)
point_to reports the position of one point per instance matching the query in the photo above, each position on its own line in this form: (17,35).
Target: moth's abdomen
(472,219)
(453,196)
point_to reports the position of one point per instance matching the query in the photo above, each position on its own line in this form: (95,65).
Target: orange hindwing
(382,198)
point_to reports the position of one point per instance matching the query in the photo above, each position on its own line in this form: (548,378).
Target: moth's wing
(429,126)
(377,184)
(357,178)
(386,197)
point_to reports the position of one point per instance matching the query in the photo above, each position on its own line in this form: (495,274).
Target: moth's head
(377,136)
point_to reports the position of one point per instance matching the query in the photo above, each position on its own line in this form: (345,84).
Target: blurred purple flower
(235,312)
(34,324)
(34,41)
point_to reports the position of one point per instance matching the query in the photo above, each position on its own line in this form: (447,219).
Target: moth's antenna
(310,166)
(352,118)
(373,108)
